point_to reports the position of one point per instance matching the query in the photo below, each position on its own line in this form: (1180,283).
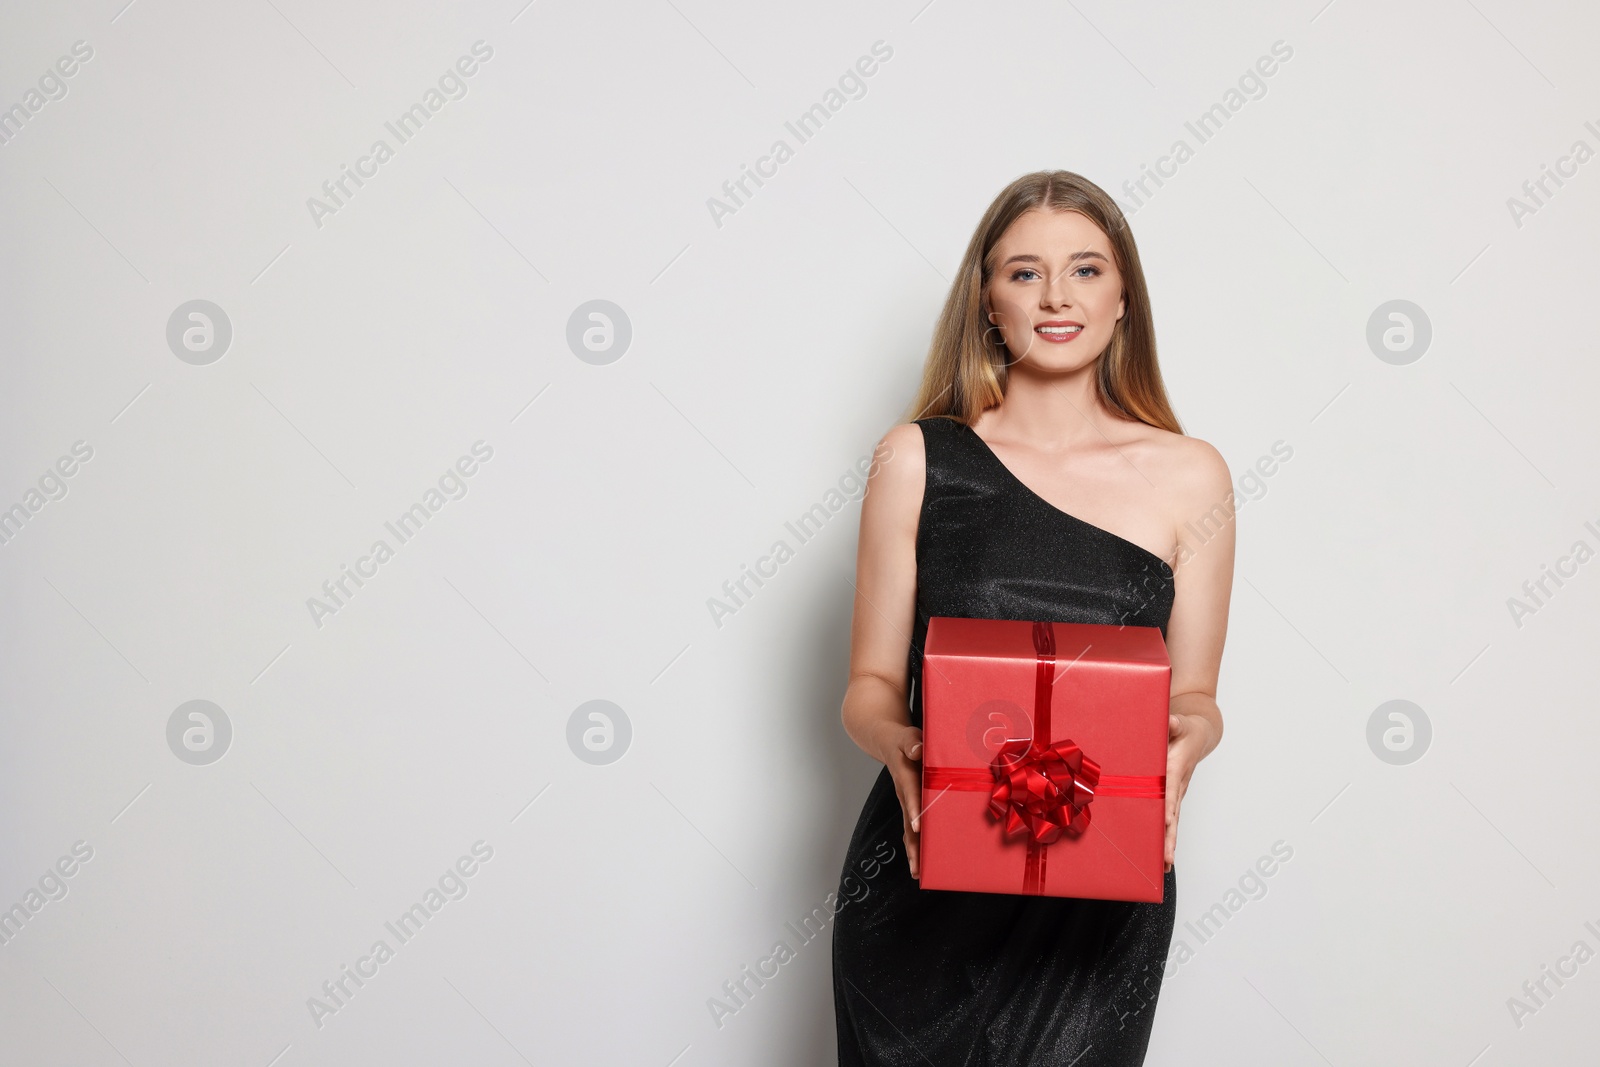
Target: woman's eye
(1028,274)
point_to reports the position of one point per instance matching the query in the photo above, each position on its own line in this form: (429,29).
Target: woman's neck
(1049,411)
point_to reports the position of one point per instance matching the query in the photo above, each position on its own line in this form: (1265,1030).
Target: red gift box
(1044,757)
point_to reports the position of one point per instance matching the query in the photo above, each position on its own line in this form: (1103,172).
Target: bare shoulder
(903,447)
(1191,470)
(900,463)
(898,473)
(1199,473)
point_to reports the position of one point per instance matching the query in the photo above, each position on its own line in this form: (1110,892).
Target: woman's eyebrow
(1028,257)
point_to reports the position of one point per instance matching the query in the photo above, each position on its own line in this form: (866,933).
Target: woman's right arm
(876,709)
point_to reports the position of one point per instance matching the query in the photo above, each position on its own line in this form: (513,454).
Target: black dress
(945,979)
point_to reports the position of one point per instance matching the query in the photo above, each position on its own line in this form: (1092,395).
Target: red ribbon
(1043,793)
(1040,790)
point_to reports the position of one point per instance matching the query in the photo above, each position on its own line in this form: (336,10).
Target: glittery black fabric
(930,977)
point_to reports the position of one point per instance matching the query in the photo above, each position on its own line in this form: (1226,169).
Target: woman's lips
(1059,333)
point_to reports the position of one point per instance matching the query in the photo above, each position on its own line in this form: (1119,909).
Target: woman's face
(1055,292)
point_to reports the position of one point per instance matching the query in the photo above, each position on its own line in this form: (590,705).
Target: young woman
(1045,477)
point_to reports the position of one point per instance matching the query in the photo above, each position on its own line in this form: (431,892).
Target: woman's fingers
(1175,729)
(911,778)
(910,790)
(1172,834)
(903,763)
(909,835)
(908,787)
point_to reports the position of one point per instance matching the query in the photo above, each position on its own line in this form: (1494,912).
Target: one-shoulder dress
(946,979)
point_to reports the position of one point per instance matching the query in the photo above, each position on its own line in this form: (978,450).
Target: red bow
(1043,792)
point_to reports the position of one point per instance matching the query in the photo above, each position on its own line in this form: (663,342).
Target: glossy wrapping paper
(1074,810)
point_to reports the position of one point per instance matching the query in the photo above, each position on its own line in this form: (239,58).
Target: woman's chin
(1051,363)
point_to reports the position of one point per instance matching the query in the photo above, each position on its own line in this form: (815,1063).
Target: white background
(768,355)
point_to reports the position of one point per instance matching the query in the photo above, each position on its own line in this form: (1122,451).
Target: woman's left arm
(1203,578)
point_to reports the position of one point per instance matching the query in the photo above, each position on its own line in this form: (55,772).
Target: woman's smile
(1059,331)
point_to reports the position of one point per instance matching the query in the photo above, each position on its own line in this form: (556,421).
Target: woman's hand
(1186,746)
(902,754)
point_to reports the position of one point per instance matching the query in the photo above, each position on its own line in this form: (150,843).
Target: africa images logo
(337,192)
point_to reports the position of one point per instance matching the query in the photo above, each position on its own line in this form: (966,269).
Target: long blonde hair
(965,372)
